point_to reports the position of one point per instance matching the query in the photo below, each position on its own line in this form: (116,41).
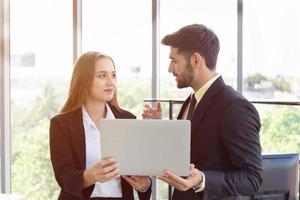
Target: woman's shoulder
(128,114)
(66,115)
(121,113)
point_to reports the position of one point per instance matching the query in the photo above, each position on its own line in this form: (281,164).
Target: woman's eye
(114,75)
(101,75)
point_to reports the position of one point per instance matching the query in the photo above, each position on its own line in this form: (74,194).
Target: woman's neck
(95,110)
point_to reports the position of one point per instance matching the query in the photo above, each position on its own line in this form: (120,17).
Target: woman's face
(104,83)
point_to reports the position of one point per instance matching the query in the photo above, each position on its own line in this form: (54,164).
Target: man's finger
(158,105)
(147,115)
(192,166)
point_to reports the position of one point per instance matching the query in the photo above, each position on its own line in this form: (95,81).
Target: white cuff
(201,186)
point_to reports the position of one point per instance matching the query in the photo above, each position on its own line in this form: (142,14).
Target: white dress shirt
(93,154)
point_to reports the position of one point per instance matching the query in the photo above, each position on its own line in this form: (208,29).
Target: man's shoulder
(230,94)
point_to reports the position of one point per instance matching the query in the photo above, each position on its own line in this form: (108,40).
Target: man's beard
(186,78)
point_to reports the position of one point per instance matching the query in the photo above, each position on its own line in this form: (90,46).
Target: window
(280,128)
(271,49)
(218,15)
(125,35)
(41,65)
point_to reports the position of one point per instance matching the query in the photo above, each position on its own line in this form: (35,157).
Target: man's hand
(140,183)
(152,113)
(182,184)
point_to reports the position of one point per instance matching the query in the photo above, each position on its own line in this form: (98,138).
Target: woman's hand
(140,183)
(102,171)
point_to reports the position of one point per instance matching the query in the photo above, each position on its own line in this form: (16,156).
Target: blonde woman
(74,136)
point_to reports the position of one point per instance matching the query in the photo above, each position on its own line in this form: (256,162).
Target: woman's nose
(110,80)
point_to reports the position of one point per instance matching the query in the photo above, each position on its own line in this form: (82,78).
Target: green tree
(255,79)
(131,94)
(282,84)
(280,132)
(32,173)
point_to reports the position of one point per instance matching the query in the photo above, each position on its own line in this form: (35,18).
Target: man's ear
(196,60)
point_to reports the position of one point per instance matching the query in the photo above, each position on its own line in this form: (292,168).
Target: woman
(75,138)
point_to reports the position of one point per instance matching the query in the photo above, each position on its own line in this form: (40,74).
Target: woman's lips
(109,90)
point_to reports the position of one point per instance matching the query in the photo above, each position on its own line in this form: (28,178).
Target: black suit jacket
(225,144)
(67,150)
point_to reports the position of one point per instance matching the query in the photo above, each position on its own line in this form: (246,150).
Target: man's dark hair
(195,38)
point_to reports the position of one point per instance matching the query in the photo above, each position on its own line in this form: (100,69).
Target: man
(225,148)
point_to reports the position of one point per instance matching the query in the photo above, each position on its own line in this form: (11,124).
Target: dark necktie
(191,107)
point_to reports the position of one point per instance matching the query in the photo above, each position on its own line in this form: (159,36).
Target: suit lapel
(183,108)
(77,135)
(205,103)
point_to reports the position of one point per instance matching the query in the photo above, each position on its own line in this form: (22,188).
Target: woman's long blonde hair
(82,79)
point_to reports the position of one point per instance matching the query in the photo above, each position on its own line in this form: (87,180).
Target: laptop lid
(147,147)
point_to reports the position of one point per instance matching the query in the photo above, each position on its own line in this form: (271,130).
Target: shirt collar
(109,113)
(200,93)
(87,120)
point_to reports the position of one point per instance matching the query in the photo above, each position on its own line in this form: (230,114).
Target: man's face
(181,69)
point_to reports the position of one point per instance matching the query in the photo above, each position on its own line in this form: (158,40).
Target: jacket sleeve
(239,129)
(68,177)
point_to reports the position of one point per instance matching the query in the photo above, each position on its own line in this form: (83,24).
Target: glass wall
(125,35)
(280,128)
(41,63)
(271,49)
(220,16)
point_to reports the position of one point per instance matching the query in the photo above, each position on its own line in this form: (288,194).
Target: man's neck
(202,79)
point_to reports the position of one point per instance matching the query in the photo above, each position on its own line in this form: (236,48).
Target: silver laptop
(147,147)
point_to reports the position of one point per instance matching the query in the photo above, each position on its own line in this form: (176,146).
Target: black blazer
(67,150)
(224,144)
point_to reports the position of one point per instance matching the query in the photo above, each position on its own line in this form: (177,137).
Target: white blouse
(110,188)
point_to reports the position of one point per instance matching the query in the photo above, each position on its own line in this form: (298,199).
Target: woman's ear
(196,60)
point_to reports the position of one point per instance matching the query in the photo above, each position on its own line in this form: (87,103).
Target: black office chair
(280,177)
